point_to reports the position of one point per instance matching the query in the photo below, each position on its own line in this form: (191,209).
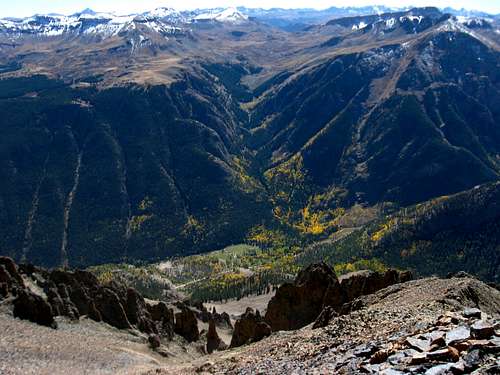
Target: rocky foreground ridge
(363,322)
(428,326)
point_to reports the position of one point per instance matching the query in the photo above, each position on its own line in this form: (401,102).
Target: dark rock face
(112,311)
(10,279)
(154,341)
(137,312)
(223,319)
(5,282)
(164,315)
(357,284)
(249,328)
(214,342)
(61,306)
(34,308)
(298,304)
(73,294)
(186,324)
(316,288)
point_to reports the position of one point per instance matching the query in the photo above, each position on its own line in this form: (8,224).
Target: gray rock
(458,334)
(482,330)
(472,313)
(440,369)
(421,345)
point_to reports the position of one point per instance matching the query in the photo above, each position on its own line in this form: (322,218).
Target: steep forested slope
(444,235)
(91,176)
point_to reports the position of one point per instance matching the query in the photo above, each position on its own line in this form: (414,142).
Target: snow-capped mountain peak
(86,22)
(229,15)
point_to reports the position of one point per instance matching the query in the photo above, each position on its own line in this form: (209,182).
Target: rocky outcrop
(12,269)
(298,304)
(137,312)
(61,306)
(214,342)
(427,326)
(34,308)
(39,295)
(250,327)
(360,283)
(316,288)
(186,324)
(10,279)
(112,311)
(163,315)
(78,287)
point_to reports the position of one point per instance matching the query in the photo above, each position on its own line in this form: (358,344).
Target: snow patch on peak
(360,26)
(229,15)
(411,18)
(162,12)
(390,23)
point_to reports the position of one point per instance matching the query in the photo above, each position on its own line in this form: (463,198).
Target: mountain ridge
(293,126)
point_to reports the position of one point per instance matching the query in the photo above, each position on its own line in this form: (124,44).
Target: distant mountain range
(169,20)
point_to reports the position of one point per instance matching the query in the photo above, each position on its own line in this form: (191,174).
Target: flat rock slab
(421,345)
(440,369)
(457,334)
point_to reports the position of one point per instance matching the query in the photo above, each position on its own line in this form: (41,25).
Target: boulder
(186,324)
(214,342)
(110,308)
(32,307)
(250,327)
(154,341)
(298,304)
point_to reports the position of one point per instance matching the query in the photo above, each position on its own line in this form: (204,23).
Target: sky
(22,8)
